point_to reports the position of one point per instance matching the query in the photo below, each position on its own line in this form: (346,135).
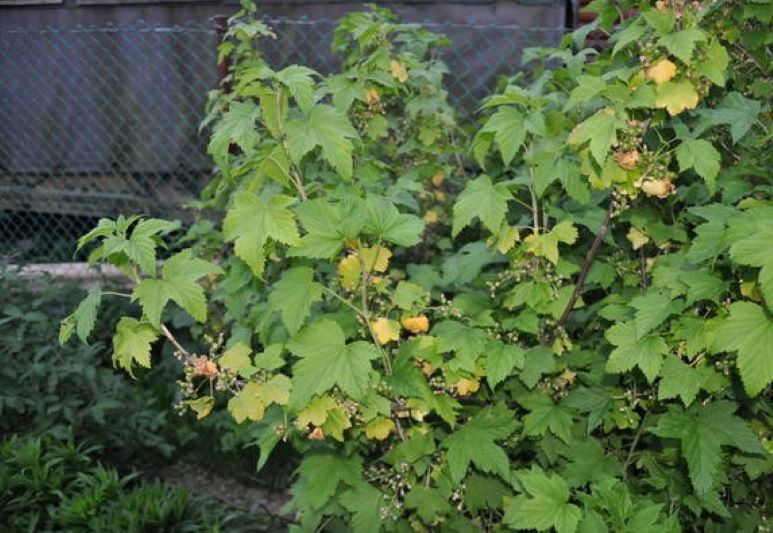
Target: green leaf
(132,342)
(466,341)
(701,156)
(293,296)
(714,65)
(682,43)
(735,110)
(407,295)
(749,331)
(630,351)
(327,128)
(428,502)
(544,504)
(652,308)
(539,361)
(544,415)
(509,128)
(83,318)
(587,87)
(364,502)
(600,130)
(484,200)
(679,379)
(484,492)
(751,235)
(321,474)
(384,221)
(299,81)
(475,443)
(322,222)
(326,360)
(179,284)
(251,222)
(237,125)
(703,430)
(501,360)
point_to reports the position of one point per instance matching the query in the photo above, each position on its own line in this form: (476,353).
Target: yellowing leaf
(676,96)
(386,330)
(506,239)
(337,422)
(247,404)
(376,258)
(275,390)
(236,357)
(416,324)
(202,406)
(662,71)
(316,412)
(349,271)
(379,428)
(398,70)
(467,386)
(637,238)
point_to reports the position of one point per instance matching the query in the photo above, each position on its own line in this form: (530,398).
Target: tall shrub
(570,330)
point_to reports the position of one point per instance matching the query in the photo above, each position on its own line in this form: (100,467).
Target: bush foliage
(559,318)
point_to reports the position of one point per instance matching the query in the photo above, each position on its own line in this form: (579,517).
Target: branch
(594,248)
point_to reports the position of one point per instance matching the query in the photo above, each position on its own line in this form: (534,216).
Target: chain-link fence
(102,121)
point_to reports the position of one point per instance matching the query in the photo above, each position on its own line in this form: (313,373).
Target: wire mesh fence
(104,121)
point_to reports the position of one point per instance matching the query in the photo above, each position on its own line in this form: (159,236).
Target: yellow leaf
(662,71)
(202,406)
(467,386)
(316,412)
(676,96)
(431,217)
(349,271)
(386,330)
(398,70)
(628,160)
(438,178)
(659,188)
(236,357)
(416,324)
(373,97)
(379,428)
(376,258)
(247,404)
(637,238)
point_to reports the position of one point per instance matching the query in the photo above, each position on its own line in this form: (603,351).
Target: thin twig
(365,276)
(594,248)
(632,448)
(177,345)
(344,301)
